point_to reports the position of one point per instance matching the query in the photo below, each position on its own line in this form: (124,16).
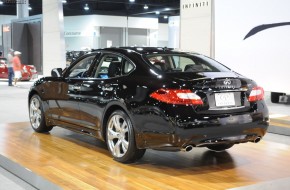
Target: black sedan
(150,98)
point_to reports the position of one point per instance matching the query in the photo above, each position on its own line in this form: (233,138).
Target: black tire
(275,96)
(220,147)
(36,115)
(120,138)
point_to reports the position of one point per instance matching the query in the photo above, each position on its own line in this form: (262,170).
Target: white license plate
(224,99)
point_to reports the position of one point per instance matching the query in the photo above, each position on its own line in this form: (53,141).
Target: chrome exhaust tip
(257,139)
(187,148)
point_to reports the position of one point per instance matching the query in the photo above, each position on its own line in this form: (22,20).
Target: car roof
(143,50)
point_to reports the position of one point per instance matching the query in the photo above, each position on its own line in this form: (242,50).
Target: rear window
(185,63)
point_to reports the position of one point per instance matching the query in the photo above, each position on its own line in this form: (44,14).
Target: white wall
(85,30)
(162,35)
(264,57)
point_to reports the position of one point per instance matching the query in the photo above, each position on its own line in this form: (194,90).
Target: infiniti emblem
(227,82)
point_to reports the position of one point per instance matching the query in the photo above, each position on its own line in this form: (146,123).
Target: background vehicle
(28,71)
(140,98)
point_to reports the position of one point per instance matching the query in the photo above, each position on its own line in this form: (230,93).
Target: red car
(28,71)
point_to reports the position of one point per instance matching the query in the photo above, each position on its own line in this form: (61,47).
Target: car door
(73,79)
(103,88)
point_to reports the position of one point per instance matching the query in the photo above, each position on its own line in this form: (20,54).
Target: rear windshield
(185,63)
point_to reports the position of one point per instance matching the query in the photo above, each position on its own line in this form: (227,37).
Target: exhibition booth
(249,37)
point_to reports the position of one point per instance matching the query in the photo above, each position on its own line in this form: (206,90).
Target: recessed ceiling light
(165,17)
(29,8)
(167,9)
(1,2)
(146,7)
(157,12)
(132,1)
(86,7)
(64,1)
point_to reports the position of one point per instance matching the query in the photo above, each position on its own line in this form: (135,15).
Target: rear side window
(112,65)
(185,63)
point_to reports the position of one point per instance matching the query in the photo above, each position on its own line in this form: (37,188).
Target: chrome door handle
(78,88)
(107,88)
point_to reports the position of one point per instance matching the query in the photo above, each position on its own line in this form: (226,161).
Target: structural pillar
(22,9)
(53,36)
(197,26)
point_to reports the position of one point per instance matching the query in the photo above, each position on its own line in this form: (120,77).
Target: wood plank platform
(74,161)
(283,121)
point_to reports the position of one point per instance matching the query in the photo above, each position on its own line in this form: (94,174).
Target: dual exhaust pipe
(257,139)
(189,148)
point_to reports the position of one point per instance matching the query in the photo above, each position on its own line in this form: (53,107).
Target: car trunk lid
(221,92)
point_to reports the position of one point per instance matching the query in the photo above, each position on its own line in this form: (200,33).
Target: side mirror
(57,72)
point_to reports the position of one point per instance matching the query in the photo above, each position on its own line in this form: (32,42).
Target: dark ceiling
(105,7)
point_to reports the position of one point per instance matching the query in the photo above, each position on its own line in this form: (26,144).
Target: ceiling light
(165,17)
(167,9)
(64,1)
(157,12)
(1,2)
(146,7)
(29,8)
(132,1)
(86,7)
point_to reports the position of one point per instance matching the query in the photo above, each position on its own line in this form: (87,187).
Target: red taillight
(256,94)
(177,96)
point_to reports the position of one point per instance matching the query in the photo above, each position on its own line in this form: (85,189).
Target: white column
(173,31)
(196,26)
(22,9)
(53,36)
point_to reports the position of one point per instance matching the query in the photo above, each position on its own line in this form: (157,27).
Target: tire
(36,115)
(220,147)
(275,96)
(120,138)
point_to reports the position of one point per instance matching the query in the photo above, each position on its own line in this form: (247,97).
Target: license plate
(224,99)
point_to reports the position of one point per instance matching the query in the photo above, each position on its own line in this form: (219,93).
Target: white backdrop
(265,56)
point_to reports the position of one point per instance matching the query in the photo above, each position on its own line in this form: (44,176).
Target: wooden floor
(73,161)
(283,121)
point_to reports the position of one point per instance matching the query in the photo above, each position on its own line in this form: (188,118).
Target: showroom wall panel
(5,19)
(20,39)
(162,35)
(6,38)
(137,37)
(111,37)
(85,31)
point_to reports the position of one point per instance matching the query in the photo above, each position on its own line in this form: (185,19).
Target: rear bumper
(231,129)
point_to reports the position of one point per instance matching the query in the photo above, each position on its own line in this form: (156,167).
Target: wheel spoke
(124,126)
(116,121)
(125,145)
(112,134)
(116,149)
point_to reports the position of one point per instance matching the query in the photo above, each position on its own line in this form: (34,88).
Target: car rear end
(210,105)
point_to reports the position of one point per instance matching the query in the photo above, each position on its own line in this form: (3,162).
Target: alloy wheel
(35,113)
(118,136)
